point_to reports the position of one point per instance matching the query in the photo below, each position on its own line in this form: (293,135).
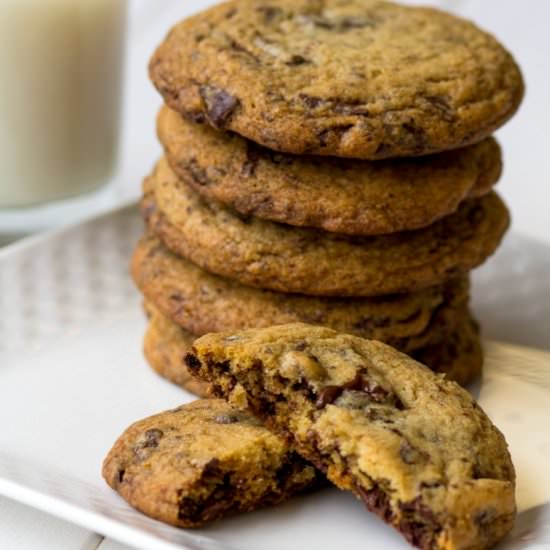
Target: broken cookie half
(413,446)
(203,461)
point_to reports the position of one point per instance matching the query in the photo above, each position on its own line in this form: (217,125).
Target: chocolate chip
(417,507)
(194,116)
(442,107)
(328,395)
(121,475)
(226,419)
(269,13)
(196,172)
(347,23)
(152,437)
(485,517)
(312,102)
(430,484)
(220,105)
(376,501)
(297,60)
(253,156)
(418,524)
(192,362)
(417,133)
(211,468)
(336,131)
(149,440)
(239,48)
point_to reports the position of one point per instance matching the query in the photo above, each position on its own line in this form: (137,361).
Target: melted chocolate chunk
(419,524)
(148,441)
(192,362)
(220,105)
(376,501)
(375,392)
(328,395)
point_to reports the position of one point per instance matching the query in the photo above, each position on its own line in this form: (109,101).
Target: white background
(521,25)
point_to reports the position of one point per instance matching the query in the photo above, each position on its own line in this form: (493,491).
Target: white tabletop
(521,26)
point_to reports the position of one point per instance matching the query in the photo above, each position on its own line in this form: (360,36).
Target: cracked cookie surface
(203,461)
(361,79)
(414,447)
(201,302)
(339,195)
(266,254)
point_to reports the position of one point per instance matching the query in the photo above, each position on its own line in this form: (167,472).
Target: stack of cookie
(329,162)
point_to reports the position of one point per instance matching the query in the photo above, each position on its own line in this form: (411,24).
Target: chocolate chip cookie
(202,461)
(265,254)
(339,195)
(349,78)
(457,354)
(164,346)
(201,303)
(413,446)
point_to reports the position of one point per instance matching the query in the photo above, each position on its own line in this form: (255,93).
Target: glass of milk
(60,75)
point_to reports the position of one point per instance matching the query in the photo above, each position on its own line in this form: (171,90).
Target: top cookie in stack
(332,149)
(348,78)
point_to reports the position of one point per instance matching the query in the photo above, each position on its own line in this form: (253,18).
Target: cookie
(164,346)
(456,354)
(348,78)
(265,254)
(202,461)
(413,446)
(459,355)
(201,303)
(339,195)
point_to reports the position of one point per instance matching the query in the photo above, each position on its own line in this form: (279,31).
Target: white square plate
(72,378)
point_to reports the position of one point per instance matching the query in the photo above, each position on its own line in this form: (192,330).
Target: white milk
(60,71)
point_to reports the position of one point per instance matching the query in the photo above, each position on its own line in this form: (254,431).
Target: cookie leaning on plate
(340,195)
(362,79)
(201,302)
(265,254)
(414,447)
(203,461)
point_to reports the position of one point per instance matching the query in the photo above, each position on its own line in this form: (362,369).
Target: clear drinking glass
(60,77)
